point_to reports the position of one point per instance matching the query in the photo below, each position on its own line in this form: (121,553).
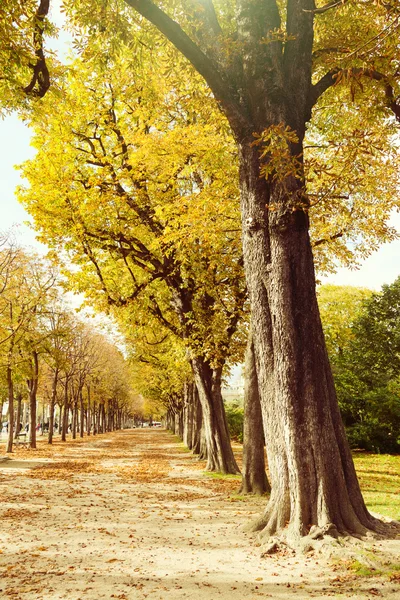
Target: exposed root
(326,539)
(258,524)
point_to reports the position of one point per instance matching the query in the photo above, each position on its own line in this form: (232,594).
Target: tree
(254,479)
(261,72)
(267,77)
(143,178)
(27,282)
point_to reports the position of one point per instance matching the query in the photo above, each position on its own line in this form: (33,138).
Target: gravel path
(131,515)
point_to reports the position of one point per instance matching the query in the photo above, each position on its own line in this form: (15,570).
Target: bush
(234,415)
(373,437)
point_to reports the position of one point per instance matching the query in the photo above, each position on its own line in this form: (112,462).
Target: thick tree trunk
(219,450)
(10,388)
(52,406)
(254,478)
(312,473)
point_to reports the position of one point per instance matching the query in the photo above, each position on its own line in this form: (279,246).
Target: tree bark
(187,414)
(88,412)
(254,478)
(219,450)
(74,418)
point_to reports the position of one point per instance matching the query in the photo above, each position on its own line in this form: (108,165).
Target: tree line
(275,107)
(47,352)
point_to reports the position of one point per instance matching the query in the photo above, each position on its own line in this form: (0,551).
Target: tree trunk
(254,478)
(65,413)
(197,421)
(10,388)
(32,387)
(17,425)
(312,473)
(88,413)
(188,414)
(60,419)
(95,417)
(219,450)
(82,415)
(74,418)
(52,406)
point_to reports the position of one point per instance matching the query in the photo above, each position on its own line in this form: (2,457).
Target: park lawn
(379,476)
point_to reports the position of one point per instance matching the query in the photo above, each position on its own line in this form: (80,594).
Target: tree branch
(200,61)
(41,76)
(326,7)
(330,78)
(331,238)
(156,311)
(211,15)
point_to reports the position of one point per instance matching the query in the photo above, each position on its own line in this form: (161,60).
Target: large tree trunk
(268,86)
(52,406)
(219,450)
(312,473)
(254,478)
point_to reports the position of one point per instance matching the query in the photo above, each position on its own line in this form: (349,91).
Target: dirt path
(131,515)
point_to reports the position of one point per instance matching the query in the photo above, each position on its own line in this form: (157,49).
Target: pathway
(131,515)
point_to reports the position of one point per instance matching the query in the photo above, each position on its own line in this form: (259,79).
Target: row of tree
(137,178)
(45,350)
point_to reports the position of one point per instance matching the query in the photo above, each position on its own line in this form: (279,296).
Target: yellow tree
(141,200)
(270,66)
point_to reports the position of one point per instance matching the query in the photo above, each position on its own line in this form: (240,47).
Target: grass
(375,566)
(379,476)
(213,475)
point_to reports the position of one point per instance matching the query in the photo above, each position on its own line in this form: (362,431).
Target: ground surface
(131,515)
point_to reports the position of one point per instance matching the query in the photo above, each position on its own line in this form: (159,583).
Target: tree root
(326,539)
